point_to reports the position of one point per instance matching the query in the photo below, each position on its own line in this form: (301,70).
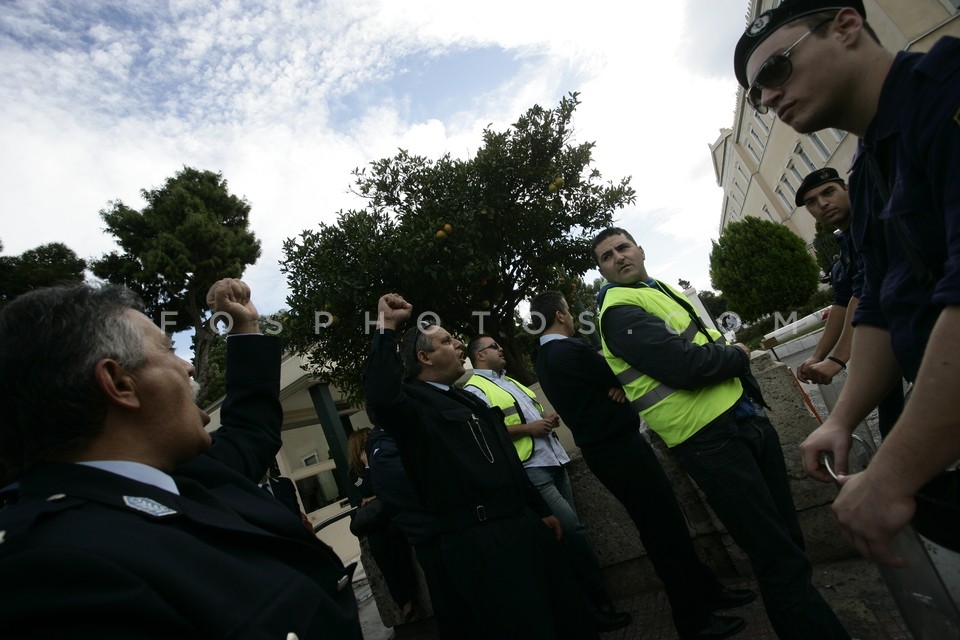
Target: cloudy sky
(99,100)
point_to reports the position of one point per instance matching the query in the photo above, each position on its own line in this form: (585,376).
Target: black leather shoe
(716,627)
(732,598)
(607,619)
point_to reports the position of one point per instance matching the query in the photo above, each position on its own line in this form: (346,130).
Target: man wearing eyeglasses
(543,459)
(818,65)
(498,564)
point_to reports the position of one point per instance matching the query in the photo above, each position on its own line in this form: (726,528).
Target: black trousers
(506,578)
(391,551)
(630,470)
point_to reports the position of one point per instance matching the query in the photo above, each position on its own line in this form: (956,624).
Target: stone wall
(613,535)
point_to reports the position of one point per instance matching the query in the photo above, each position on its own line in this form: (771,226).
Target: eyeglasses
(775,71)
(492,345)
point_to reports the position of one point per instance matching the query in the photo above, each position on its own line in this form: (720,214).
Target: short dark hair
(474,347)
(50,342)
(546,305)
(606,233)
(415,340)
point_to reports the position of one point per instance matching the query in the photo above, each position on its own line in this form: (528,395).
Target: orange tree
(467,240)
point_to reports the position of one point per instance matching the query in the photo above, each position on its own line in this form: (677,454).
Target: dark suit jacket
(90,554)
(576,379)
(284,491)
(444,438)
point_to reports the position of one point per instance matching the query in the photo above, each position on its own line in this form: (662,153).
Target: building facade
(759,162)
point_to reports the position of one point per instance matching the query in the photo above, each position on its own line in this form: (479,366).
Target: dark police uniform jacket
(914,229)
(90,554)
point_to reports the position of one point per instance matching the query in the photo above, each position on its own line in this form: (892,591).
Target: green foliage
(762,267)
(714,303)
(216,369)
(825,246)
(44,266)
(458,238)
(191,233)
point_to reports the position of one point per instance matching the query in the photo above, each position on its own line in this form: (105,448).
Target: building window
(804,158)
(770,215)
(840,135)
(787,203)
(792,169)
(763,123)
(784,181)
(736,185)
(756,136)
(753,152)
(743,174)
(818,143)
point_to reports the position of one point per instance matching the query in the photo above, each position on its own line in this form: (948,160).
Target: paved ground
(852,587)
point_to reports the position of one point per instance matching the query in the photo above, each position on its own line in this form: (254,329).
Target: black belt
(503,506)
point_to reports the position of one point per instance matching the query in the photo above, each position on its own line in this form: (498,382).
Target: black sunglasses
(775,71)
(492,345)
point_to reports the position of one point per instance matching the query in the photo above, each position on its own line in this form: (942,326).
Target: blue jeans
(553,483)
(738,464)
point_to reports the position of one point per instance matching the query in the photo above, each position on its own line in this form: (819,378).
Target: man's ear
(116,384)
(424,358)
(849,25)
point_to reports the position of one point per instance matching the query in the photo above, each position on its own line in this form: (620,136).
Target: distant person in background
(389,545)
(283,489)
(824,194)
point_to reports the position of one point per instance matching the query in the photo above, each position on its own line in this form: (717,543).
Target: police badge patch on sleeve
(148,506)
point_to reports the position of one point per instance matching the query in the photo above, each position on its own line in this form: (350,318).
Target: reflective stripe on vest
(511,412)
(675,414)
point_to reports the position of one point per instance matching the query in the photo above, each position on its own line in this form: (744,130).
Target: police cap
(769,21)
(815,179)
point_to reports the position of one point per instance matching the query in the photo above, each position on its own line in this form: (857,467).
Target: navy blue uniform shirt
(915,138)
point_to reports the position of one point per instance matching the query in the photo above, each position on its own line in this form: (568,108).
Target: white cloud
(100,100)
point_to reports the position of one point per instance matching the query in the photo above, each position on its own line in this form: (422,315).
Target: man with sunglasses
(498,564)
(905,108)
(543,458)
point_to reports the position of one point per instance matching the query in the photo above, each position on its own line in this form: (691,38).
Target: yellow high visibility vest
(511,410)
(674,414)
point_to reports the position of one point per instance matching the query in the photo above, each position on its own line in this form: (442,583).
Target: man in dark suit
(283,489)
(500,564)
(583,390)
(129,520)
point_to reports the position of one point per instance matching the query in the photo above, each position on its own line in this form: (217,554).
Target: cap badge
(758,25)
(148,506)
